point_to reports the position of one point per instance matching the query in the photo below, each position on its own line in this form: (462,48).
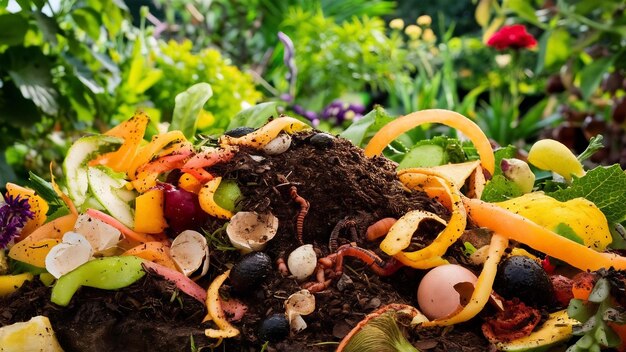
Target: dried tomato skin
(562,289)
(517,320)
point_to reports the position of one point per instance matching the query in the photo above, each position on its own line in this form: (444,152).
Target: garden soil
(340,184)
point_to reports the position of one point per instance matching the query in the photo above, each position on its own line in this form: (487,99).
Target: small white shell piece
(74,251)
(189,251)
(278,145)
(302,262)
(100,235)
(250,231)
(299,304)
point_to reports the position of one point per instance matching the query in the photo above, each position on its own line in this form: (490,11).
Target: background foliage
(89,64)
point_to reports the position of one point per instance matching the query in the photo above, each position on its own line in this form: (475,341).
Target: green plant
(334,59)
(55,70)
(233,90)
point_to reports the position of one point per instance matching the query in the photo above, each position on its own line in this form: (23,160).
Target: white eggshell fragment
(250,231)
(299,304)
(100,234)
(74,251)
(436,294)
(302,262)
(189,250)
(278,145)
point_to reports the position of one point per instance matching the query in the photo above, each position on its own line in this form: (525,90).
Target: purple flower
(290,61)
(13,216)
(342,111)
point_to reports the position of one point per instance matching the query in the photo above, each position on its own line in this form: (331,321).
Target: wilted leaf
(187,107)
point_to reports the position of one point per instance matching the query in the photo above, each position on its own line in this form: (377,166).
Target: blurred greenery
(86,65)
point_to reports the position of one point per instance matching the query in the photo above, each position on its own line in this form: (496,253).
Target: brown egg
(437,295)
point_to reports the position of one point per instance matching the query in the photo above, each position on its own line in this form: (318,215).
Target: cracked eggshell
(74,251)
(299,304)
(100,235)
(302,262)
(278,145)
(249,231)
(190,250)
(444,290)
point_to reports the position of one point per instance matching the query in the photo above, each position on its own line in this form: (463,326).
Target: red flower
(514,37)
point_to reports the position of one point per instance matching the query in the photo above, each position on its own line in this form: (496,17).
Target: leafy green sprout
(217,239)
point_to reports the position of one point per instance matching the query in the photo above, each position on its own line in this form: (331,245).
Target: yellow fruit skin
(33,252)
(581,215)
(548,154)
(149,216)
(10,283)
(33,335)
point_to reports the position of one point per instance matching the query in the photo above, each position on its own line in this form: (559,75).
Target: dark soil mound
(340,184)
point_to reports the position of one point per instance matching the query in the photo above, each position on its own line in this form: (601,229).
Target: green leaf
(30,71)
(48,27)
(499,189)
(566,231)
(254,116)
(604,186)
(187,106)
(482,12)
(524,9)
(591,75)
(88,20)
(13,28)
(554,48)
(84,74)
(507,152)
(44,189)
(361,130)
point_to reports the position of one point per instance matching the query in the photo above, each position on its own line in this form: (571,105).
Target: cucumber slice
(426,155)
(109,189)
(75,163)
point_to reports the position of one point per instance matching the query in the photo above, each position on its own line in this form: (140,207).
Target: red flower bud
(513,37)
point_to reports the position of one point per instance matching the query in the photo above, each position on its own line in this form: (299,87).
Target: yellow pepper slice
(265,134)
(519,228)
(395,128)
(148,151)
(207,202)
(215,311)
(457,222)
(189,183)
(132,131)
(399,235)
(482,288)
(10,283)
(149,216)
(421,264)
(33,252)
(579,214)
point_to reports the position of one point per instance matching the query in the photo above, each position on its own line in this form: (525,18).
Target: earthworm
(374,262)
(304,209)
(282,266)
(379,228)
(334,235)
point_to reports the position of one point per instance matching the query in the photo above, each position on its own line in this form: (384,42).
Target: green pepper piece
(109,273)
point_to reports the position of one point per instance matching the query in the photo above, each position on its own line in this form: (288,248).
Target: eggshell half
(436,294)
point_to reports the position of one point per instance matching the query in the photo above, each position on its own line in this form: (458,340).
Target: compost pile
(341,185)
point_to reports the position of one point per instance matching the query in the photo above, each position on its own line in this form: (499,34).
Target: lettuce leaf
(604,186)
